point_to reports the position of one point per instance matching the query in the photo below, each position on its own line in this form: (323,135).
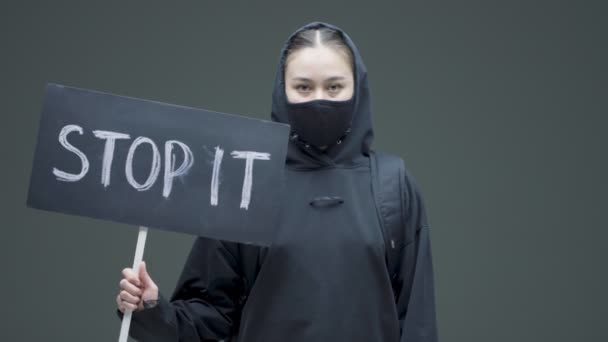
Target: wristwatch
(149,304)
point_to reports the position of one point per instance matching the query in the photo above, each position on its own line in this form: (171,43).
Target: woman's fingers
(119,303)
(129,298)
(128,274)
(123,304)
(127,306)
(130,288)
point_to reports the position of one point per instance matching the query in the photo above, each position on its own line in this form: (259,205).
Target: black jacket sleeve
(205,304)
(416,287)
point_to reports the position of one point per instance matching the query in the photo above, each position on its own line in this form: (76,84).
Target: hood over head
(356,145)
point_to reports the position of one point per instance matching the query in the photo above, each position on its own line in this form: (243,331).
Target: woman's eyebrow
(301,79)
(333,78)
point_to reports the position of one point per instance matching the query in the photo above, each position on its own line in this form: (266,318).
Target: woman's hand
(135,289)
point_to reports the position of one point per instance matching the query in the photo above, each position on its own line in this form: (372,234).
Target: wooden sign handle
(139,254)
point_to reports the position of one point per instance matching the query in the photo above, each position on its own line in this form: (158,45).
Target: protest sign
(158,165)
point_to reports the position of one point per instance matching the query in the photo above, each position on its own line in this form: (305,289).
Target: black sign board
(158,165)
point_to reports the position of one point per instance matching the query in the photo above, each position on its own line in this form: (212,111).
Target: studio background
(498,107)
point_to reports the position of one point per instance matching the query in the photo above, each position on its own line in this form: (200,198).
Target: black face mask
(321,122)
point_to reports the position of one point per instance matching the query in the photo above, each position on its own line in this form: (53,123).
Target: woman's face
(315,73)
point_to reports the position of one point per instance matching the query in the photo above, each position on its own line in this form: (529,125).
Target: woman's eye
(302,87)
(335,87)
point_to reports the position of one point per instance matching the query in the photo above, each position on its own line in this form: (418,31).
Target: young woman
(325,278)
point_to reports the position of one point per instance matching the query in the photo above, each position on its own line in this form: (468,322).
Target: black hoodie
(325,277)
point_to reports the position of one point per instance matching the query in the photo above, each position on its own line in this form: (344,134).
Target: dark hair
(328,37)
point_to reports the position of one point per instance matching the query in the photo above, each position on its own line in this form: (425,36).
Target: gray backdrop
(499,108)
